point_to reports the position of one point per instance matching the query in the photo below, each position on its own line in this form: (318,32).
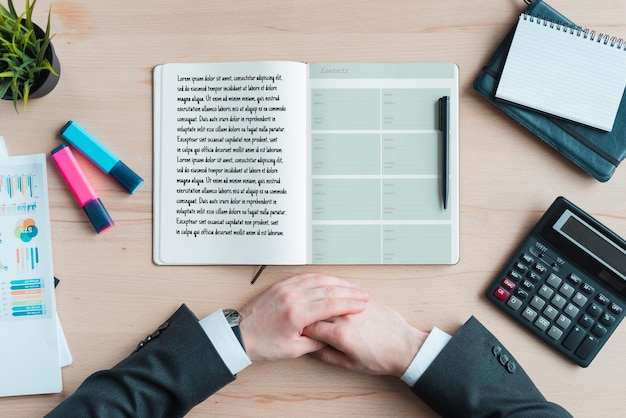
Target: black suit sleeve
(474,376)
(174,369)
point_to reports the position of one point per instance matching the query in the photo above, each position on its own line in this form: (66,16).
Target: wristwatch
(232,317)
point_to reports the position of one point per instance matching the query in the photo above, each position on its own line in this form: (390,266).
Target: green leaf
(26,92)
(12,8)
(22,54)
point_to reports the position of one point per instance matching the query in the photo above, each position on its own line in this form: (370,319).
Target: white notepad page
(565,72)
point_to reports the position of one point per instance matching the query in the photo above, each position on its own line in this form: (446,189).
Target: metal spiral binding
(603,38)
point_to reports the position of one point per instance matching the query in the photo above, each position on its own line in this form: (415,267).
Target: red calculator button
(501,294)
(508,284)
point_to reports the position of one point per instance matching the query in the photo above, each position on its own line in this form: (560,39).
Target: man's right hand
(376,341)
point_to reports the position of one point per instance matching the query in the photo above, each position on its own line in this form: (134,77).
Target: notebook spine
(585,33)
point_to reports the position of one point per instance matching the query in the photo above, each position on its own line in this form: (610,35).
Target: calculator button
(542,323)
(579,299)
(559,301)
(515,276)
(529,314)
(587,347)
(540,268)
(566,290)
(615,308)
(602,299)
(537,303)
(526,284)
(587,288)
(501,294)
(519,266)
(585,321)
(554,280)
(508,284)
(607,319)
(546,292)
(514,303)
(571,310)
(527,259)
(564,322)
(594,310)
(574,338)
(534,277)
(555,333)
(599,331)
(550,312)
(574,279)
(522,294)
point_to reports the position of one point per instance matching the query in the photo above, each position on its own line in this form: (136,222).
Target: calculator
(566,283)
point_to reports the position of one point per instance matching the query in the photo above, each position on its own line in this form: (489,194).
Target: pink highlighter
(84,193)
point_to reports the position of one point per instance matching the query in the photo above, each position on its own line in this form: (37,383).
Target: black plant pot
(46,82)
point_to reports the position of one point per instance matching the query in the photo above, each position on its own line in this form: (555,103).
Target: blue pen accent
(101,156)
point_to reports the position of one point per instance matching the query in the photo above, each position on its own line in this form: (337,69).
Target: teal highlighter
(101,156)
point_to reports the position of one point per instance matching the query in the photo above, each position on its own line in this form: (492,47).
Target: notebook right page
(565,72)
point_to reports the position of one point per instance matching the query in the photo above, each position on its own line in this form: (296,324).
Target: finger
(334,357)
(322,331)
(323,293)
(308,345)
(328,308)
(314,281)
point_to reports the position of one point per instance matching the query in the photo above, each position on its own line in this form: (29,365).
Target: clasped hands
(332,318)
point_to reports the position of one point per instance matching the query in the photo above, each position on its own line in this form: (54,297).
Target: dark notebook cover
(597,153)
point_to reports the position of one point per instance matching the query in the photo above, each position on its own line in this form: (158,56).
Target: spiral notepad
(567,72)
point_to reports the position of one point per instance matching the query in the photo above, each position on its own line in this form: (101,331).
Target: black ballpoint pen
(444,127)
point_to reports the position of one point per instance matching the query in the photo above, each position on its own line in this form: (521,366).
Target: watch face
(232,316)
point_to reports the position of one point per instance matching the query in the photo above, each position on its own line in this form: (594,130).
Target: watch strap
(232,316)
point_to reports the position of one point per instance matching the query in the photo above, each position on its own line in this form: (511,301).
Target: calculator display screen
(598,246)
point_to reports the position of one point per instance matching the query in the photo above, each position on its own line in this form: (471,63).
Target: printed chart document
(29,352)
(294,163)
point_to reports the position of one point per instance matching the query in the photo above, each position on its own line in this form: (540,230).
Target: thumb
(308,345)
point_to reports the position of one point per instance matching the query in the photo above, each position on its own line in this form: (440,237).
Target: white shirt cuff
(227,345)
(435,342)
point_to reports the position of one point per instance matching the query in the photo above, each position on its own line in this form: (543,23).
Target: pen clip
(443,112)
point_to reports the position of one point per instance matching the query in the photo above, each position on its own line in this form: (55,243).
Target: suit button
(504,359)
(511,367)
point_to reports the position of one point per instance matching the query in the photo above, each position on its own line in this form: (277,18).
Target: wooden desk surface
(111,294)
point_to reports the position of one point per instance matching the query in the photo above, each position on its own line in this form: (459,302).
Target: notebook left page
(230,163)
(29,356)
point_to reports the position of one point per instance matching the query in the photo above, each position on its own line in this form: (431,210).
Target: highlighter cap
(126,177)
(98,215)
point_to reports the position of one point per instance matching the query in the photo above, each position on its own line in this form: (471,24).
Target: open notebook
(294,163)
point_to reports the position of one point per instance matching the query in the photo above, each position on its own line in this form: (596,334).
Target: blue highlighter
(100,156)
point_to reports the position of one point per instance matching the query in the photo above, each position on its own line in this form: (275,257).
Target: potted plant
(29,67)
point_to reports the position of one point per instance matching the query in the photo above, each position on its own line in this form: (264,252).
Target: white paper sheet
(29,343)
